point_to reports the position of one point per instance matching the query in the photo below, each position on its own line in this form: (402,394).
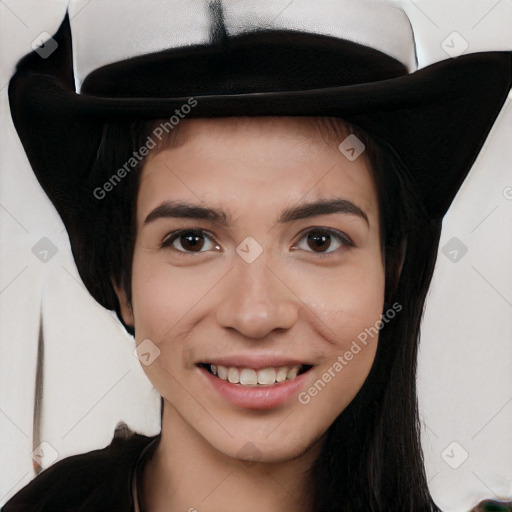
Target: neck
(187,473)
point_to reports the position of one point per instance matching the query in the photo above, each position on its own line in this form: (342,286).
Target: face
(257,265)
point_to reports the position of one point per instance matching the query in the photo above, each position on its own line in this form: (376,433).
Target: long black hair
(372,459)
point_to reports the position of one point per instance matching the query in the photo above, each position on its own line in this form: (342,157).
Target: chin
(266,447)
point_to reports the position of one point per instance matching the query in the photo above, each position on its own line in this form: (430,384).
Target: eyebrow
(183,210)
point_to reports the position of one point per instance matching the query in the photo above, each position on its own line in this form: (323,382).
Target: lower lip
(257,396)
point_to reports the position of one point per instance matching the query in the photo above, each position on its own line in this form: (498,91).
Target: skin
(289,301)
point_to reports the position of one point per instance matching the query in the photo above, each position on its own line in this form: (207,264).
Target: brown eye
(324,241)
(190,240)
(318,241)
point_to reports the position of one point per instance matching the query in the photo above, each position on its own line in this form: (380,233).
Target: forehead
(265,160)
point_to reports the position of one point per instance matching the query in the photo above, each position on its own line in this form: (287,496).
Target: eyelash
(174,235)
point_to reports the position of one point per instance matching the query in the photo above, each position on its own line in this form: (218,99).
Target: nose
(256,300)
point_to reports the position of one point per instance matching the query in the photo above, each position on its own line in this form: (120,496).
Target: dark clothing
(99,481)
(103,480)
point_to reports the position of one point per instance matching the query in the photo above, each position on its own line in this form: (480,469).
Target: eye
(323,241)
(189,241)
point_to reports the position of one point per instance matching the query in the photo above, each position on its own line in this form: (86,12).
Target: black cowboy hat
(435,119)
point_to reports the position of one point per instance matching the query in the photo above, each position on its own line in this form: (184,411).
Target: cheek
(359,307)
(346,309)
(346,301)
(168,300)
(160,298)
(351,311)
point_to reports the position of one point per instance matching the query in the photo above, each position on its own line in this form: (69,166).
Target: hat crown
(105,32)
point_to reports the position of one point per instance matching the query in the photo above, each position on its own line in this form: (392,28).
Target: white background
(92,379)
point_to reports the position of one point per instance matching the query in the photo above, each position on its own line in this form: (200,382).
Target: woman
(287,375)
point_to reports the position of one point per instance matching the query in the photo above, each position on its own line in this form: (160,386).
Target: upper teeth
(250,377)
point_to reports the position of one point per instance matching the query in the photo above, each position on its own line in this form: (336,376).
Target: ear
(125,306)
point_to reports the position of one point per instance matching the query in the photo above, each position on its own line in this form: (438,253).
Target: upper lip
(255,362)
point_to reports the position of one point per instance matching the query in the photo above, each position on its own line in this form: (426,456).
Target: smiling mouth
(252,377)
